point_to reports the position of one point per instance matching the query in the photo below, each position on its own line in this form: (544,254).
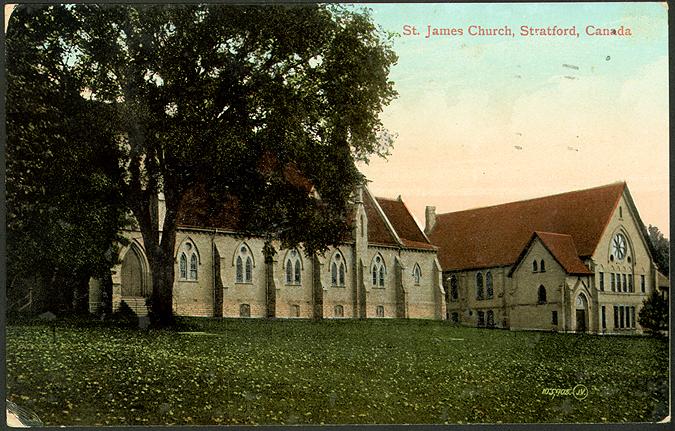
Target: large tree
(251,104)
(64,210)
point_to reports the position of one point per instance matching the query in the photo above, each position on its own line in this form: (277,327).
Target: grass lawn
(287,372)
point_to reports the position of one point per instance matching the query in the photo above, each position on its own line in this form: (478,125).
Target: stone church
(388,269)
(577,261)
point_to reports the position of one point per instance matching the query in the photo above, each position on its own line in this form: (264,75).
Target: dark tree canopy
(64,209)
(231,99)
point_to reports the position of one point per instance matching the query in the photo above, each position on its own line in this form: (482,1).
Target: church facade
(389,269)
(578,261)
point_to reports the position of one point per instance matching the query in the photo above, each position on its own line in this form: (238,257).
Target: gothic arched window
(377,269)
(534,266)
(183,266)
(479,285)
(188,253)
(541,295)
(417,274)
(454,294)
(289,272)
(193,266)
(293,268)
(542,266)
(488,284)
(244,265)
(338,269)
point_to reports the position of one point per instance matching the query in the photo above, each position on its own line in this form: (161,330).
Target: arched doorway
(133,275)
(581,306)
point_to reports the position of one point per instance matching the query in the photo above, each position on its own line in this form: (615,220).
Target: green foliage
(661,248)
(64,209)
(232,97)
(268,106)
(653,315)
(286,372)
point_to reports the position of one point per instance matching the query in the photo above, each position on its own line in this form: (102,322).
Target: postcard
(320,214)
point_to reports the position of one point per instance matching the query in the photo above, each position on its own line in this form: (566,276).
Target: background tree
(64,210)
(267,107)
(653,315)
(661,248)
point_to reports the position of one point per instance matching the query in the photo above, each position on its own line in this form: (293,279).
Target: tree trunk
(106,294)
(59,295)
(162,280)
(160,248)
(81,294)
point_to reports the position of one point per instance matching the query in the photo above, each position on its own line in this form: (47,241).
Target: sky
(488,120)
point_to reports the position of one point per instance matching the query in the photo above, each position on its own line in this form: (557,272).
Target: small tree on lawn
(653,315)
(202,95)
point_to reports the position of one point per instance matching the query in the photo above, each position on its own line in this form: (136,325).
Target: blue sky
(486,120)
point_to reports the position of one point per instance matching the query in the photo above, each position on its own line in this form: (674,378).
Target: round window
(619,246)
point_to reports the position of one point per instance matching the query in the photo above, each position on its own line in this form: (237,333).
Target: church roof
(496,235)
(403,222)
(562,249)
(378,231)
(197,210)
(389,221)
(391,224)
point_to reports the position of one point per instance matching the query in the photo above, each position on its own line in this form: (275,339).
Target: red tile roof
(378,232)
(269,164)
(496,235)
(404,224)
(194,211)
(562,249)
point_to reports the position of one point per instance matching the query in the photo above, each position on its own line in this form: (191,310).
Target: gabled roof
(562,249)
(378,231)
(496,235)
(389,221)
(391,224)
(404,224)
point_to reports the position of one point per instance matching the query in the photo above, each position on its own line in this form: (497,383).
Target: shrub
(653,316)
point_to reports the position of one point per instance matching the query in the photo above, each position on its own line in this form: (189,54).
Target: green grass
(287,372)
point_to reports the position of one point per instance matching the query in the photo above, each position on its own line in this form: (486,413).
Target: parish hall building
(578,261)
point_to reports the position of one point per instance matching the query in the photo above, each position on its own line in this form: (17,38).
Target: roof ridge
(571,238)
(553,250)
(385,219)
(535,198)
(386,199)
(417,224)
(551,233)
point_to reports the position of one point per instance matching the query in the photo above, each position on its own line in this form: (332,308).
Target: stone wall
(640,264)
(194,294)
(525,310)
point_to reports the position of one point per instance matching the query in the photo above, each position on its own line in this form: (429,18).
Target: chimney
(430,219)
